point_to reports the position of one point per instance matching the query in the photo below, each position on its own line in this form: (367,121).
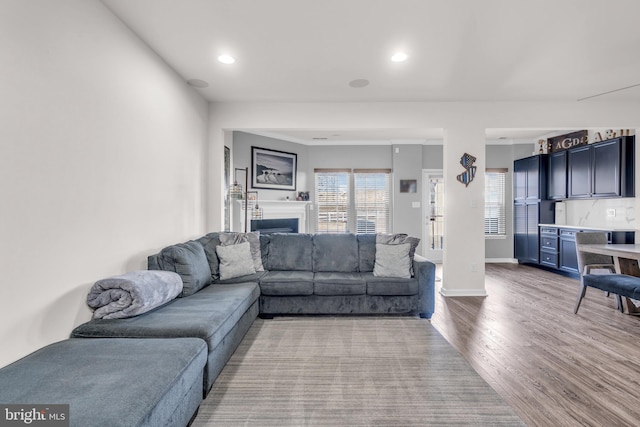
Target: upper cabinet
(579,176)
(600,170)
(609,170)
(557,176)
(528,179)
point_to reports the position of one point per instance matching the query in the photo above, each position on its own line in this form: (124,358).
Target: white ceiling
(459,50)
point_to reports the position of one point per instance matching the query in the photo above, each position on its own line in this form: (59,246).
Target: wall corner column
(464,246)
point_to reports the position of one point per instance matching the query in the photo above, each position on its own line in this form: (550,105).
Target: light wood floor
(553,367)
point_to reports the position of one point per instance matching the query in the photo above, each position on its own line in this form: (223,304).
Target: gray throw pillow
(392,260)
(394,239)
(235,260)
(253,238)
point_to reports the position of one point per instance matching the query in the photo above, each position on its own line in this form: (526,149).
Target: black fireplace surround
(277,225)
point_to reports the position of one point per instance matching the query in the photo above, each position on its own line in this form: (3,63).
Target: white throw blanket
(133,293)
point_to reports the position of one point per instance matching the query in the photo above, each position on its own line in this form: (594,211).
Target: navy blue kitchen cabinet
(601,170)
(530,206)
(557,176)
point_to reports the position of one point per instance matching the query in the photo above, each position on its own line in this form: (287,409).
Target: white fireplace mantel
(275,209)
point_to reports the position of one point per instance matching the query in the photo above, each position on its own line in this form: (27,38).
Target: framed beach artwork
(273,170)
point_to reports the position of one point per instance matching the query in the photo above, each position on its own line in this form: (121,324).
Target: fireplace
(276,225)
(289,211)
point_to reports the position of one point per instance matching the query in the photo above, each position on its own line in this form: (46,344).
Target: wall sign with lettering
(564,142)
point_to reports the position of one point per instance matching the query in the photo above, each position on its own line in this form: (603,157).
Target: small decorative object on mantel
(467,161)
(564,142)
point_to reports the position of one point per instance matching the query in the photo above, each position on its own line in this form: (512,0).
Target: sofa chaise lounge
(106,382)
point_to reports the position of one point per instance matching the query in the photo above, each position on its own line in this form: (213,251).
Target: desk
(625,256)
(625,259)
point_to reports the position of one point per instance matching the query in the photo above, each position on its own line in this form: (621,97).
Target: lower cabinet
(558,246)
(525,232)
(567,250)
(549,246)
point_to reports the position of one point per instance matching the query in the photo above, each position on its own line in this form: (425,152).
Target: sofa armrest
(425,274)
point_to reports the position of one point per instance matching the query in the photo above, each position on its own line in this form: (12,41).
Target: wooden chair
(587,262)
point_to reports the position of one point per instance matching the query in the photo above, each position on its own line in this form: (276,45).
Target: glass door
(433,215)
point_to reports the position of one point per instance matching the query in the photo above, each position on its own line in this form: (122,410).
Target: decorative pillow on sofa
(253,238)
(399,238)
(392,260)
(235,260)
(190,262)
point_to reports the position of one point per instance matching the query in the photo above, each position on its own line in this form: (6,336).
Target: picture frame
(273,170)
(408,185)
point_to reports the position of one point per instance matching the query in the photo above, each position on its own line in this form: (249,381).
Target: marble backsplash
(594,213)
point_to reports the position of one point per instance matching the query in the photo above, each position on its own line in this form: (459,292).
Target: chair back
(586,258)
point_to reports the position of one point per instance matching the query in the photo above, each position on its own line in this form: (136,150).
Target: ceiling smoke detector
(358,83)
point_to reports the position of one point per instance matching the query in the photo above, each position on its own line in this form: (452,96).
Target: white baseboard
(463,292)
(501,261)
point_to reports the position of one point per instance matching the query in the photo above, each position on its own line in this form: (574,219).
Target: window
(332,200)
(372,200)
(494,207)
(355,202)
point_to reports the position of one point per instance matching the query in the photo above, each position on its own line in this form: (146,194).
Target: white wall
(102,164)
(453,116)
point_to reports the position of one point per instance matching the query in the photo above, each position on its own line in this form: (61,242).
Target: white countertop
(578,227)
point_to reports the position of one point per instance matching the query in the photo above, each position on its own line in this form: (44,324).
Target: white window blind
(372,200)
(494,202)
(332,200)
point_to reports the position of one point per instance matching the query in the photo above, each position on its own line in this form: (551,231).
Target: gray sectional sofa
(228,279)
(334,274)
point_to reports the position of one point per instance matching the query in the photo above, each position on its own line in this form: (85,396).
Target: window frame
(336,174)
(499,205)
(353,209)
(378,210)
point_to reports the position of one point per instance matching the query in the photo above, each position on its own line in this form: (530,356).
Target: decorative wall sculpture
(467,161)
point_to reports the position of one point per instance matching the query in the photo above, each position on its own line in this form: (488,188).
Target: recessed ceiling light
(226,59)
(357,83)
(399,57)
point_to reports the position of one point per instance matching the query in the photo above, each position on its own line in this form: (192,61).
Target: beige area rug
(350,371)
